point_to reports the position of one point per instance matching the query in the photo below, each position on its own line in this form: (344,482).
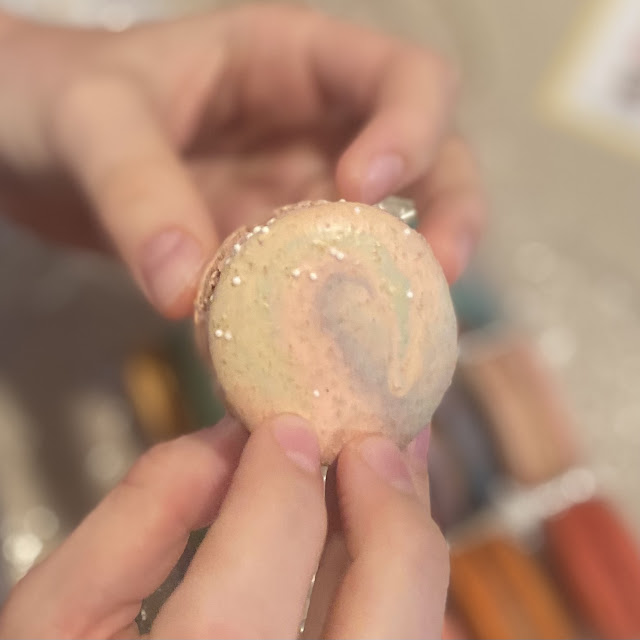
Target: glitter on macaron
(347,323)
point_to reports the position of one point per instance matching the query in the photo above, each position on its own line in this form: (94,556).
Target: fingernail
(386,460)
(298,441)
(383,176)
(418,449)
(170,263)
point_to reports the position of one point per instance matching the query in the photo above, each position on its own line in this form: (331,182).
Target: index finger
(403,92)
(115,146)
(323,71)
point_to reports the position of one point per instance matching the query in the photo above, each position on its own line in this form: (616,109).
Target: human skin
(155,144)
(159,141)
(251,574)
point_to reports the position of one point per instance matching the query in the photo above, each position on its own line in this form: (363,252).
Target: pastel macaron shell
(337,312)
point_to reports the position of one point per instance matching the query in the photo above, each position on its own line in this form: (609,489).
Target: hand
(251,574)
(174,134)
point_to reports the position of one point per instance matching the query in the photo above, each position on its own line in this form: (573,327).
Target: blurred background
(540,436)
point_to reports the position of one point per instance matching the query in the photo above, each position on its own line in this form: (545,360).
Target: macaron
(596,558)
(335,311)
(505,592)
(520,402)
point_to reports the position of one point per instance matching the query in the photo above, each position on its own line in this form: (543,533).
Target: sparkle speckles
(316,393)
(336,253)
(257,229)
(342,200)
(296,273)
(265,229)
(357,210)
(409,294)
(313,276)
(236,281)
(407,231)
(227,335)
(249,235)
(271,221)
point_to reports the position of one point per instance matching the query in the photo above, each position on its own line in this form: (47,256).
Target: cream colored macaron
(334,311)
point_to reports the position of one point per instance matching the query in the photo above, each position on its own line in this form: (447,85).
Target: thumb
(117,150)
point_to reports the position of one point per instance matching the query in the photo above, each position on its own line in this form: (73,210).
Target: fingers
(405,96)
(397,95)
(122,158)
(403,93)
(333,565)
(453,207)
(335,559)
(397,582)
(251,575)
(93,584)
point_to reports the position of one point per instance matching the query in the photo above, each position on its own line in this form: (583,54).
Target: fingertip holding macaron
(452,228)
(371,177)
(383,175)
(298,441)
(333,312)
(170,267)
(384,458)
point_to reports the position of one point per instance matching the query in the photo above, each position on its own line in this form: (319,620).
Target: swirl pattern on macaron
(337,312)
